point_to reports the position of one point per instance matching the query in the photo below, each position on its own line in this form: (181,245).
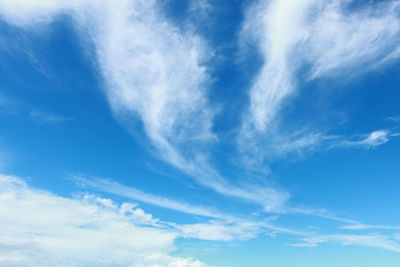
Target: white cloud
(220,230)
(28,12)
(109,186)
(359,226)
(39,228)
(320,39)
(277,28)
(372,140)
(322,34)
(343,40)
(153,72)
(368,240)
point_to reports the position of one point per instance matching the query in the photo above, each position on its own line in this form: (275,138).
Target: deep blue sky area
(200,133)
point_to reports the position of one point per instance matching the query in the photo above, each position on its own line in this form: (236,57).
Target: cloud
(320,39)
(39,228)
(359,226)
(44,229)
(372,140)
(154,73)
(222,227)
(233,229)
(220,230)
(325,35)
(368,240)
(105,185)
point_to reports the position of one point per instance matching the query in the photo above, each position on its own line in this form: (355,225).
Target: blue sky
(200,133)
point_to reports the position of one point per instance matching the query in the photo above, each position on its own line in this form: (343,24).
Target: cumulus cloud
(39,228)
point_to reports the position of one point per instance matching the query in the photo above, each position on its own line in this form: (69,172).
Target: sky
(183,133)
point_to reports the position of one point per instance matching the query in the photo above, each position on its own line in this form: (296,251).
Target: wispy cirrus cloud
(359,226)
(367,240)
(39,228)
(372,140)
(221,230)
(327,36)
(56,223)
(78,230)
(109,186)
(216,225)
(320,39)
(155,74)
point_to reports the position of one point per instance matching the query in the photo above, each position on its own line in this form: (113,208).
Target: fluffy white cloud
(39,228)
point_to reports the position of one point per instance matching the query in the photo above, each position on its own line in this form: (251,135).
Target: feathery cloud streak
(368,240)
(324,36)
(319,39)
(153,72)
(105,185)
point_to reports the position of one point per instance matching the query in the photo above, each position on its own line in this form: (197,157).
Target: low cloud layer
(39,228)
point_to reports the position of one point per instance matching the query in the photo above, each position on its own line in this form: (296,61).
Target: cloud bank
(39,228)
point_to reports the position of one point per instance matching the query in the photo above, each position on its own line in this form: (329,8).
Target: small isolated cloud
(38,228)
(372,140)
